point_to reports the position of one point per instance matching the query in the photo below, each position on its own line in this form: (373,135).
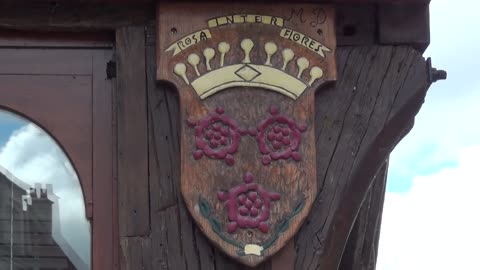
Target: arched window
(43,224)
(56,153)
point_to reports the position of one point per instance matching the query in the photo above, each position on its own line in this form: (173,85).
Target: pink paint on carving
(220,110)
(266,160)
(248,177)
(191,123)
(229,160)
(252,131)
(296,156)
(274,110)
(263,227)
(242,131)
(248,205)
(279,137)
(232,227)
(216,136)
(254,212)
(198,154)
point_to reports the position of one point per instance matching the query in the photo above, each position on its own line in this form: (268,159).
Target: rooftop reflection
(42,212)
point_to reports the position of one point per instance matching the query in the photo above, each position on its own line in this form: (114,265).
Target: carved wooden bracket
(358,121)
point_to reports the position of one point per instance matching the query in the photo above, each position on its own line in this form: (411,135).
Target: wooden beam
(380,89)
(124,2)
(362,247)
(404,24)
(68,16)
(133,196)
(136,253)
(104,238)
(356,24)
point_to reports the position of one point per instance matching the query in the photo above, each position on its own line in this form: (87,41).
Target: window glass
(42,212)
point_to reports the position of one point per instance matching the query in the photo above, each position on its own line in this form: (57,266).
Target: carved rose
(216,136)
(279,137)
(248,205)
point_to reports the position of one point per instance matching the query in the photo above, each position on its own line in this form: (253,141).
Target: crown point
(302,64)
(209,53)
(193,59)
(270,48)
(180,69)
(223,48)
(247,46)
(315,73)
(287,55)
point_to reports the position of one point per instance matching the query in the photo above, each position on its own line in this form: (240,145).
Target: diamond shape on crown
(247,73)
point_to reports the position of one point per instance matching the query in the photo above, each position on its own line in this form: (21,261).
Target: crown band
(248,75)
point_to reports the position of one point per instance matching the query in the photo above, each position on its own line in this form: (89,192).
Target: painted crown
(248,74)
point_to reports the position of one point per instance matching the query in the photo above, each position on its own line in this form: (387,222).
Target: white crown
(247,73)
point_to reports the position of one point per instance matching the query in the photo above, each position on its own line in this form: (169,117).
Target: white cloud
(436,224)
(33,157)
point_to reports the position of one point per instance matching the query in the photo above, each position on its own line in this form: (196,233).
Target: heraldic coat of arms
(246,80)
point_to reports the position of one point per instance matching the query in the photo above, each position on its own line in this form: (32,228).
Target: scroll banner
(189,40)
(305,41)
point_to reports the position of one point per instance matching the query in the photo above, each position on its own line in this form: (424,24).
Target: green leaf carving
(282,226)
(298,208)
(204,207)
(216,227)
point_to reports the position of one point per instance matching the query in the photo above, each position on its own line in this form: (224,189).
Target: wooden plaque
(246,76)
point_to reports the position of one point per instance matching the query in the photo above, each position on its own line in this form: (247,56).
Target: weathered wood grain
(404,23)
(136,253)
(380,91)
(134,208)
(362,247)
(357,23)
(285,258)
(68,16)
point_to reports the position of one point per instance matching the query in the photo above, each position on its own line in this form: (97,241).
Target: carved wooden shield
(246,77)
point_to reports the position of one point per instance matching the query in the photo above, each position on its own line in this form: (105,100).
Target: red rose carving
(279,137)
(216,136)
(248,205)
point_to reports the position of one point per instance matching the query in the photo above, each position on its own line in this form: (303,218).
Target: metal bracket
(111,69)
(434,74)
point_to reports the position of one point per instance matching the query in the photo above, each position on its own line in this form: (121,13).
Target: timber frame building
(87,72)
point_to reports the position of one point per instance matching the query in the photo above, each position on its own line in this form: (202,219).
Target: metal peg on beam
(433,73)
